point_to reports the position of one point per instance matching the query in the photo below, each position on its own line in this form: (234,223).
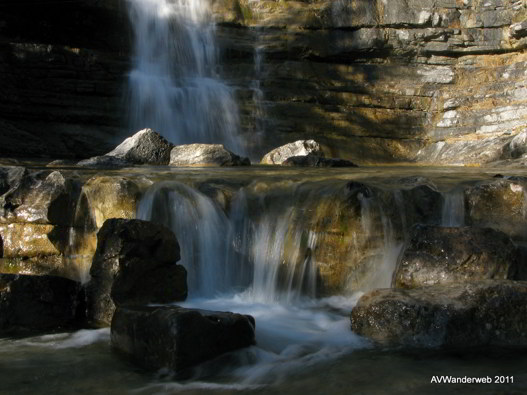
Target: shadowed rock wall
(62,73)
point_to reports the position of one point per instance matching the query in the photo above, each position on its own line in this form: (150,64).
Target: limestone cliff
(440,81)
(436,81)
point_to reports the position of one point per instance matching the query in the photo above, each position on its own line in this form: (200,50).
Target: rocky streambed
(437,253)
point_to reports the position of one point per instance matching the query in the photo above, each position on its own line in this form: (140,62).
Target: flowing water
(174,84)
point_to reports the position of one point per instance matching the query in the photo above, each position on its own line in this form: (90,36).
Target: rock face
(486,313)
(443,255)
(62,78)
(135,263)
(373,81)
(36,212)
(178,338)
(37,303)
(298,148)
(501,204)
(205,155)
(317,161)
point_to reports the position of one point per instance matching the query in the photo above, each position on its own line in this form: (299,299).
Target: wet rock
(500,204)
(205,155)
(421,204)
(110,197)
(483,313)
(39,198)
(443,255)
(144,147)
(317,161)
(34,303)
(135,263)
(104,162)
(298,148)
(177,338)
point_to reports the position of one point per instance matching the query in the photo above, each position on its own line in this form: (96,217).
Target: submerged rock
(298,148)
(317,161)
(483,313)
(178,338)
(205,155)
(135,263)
(442,255)
(38,303)
(500,204)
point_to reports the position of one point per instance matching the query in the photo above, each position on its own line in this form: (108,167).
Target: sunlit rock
(144,147)
(443,255)
(483,313)
(298,148)
(38,303)
(205,155)
(135,263)
(178,338)
(110,197)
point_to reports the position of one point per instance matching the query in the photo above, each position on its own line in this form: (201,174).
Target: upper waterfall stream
(174,85)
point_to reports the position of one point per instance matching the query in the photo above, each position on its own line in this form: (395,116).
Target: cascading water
(453,213)
(174,86)
(261,258)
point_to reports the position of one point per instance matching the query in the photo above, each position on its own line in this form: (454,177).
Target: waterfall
(174,86)
(200,227)
(269,247)
(453,213)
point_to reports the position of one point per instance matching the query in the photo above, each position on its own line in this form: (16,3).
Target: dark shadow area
(62,69)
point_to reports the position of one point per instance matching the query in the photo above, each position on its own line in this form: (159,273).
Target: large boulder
(135,263)
(317,161)
(500,204)
(144,147)
(442,255)
(483,313)
(297,148)
(205,155)
(178,338)
(34,303)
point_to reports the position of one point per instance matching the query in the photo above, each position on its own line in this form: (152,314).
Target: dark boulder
(483,313)
(38,303)
(442,255)
(316,161)
(135,263)
(178,338)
